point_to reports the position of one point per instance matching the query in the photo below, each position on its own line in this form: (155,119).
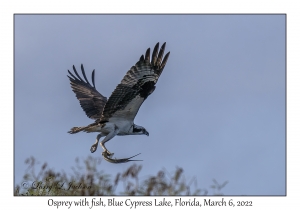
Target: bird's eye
(136,130)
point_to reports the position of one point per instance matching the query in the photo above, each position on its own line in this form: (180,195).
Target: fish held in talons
(106,157)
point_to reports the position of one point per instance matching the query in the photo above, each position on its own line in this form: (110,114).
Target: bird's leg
(106,139)
(94,146)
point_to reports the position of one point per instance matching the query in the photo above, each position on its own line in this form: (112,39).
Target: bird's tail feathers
(76,130)
(94,127)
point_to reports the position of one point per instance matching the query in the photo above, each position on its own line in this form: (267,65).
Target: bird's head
(139,130)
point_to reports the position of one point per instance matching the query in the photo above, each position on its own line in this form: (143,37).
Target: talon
(93,148)
(107,153)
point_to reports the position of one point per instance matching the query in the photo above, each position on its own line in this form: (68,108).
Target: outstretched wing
(91,101)
(138,83)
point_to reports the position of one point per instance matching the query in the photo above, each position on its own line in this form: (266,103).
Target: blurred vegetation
(87,180)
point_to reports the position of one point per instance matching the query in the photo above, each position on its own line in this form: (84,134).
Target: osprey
(115,116)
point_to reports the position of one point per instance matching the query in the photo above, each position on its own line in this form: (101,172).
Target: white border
(8,8)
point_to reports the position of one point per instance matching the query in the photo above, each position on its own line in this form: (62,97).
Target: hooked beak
(146,133)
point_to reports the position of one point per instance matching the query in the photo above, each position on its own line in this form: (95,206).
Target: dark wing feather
(138,83)
(91,101)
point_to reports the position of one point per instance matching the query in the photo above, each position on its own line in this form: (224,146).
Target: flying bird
(115,116)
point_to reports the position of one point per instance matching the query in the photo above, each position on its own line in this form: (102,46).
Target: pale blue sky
(218,110)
